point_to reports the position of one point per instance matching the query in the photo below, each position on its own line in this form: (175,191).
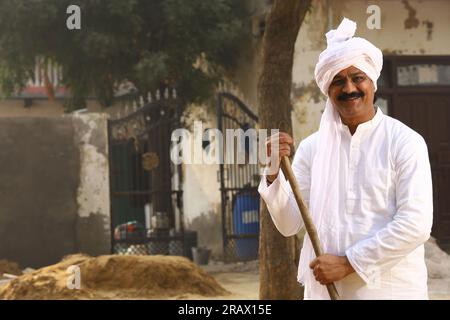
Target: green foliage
(147,42)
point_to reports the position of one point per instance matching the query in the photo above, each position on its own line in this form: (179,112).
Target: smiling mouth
(351,99)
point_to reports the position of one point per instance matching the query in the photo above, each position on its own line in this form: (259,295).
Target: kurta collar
(372,123)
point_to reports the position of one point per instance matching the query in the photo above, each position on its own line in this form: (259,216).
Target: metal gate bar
(238,186)
(143,177)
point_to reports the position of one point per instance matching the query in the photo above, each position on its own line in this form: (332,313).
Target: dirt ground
(235,281)
(242,281)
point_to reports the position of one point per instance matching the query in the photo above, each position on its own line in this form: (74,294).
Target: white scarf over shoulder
(343,50)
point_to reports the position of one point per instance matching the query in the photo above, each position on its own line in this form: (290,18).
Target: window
(423,75)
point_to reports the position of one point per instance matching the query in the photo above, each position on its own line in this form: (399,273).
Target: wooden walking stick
(309,225)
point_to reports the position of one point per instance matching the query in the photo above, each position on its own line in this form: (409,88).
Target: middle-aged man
(367,181)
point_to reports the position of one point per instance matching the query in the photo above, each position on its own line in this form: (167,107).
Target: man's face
(352,92)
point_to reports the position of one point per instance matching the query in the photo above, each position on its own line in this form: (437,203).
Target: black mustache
(346,96)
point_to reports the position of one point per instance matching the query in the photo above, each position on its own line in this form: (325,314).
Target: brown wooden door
(429,115)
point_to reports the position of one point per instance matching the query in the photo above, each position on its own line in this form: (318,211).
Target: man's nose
(349,86)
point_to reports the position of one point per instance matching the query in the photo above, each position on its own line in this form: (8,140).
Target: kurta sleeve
(411,224)
(279,197)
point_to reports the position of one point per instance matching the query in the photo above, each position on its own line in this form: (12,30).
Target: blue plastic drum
(246,221)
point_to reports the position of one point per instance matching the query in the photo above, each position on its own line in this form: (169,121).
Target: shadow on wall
(40,177)
(209,232)
(93,234)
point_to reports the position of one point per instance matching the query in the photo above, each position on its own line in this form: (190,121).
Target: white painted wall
(403,32)
(201,191)
(201,194)
(93,191)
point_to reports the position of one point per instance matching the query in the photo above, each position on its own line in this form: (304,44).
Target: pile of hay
(115,277)
(9,267)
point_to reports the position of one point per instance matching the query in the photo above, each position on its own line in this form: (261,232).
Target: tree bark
(278,255)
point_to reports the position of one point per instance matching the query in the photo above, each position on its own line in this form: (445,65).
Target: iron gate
(238,184)
(145,186)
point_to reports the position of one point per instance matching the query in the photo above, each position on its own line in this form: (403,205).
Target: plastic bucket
(200,255)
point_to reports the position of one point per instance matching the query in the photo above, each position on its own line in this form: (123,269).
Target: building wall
(41,107)
(54,190)
(202,205)
(411,27)
(93,220)
(201,194)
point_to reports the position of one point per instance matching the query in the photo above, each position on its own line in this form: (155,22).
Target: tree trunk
(278,255)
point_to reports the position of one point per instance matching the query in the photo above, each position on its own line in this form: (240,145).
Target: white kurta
(386,208)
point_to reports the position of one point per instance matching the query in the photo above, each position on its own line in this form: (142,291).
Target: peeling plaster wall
(201,194)
(405,25)
(413,27)
(201,190)
(54,193)
(209,231)
(201,199)
(93,221)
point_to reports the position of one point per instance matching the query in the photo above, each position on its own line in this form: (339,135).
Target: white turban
(343,50)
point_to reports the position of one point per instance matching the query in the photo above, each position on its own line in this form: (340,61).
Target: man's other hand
(329,268)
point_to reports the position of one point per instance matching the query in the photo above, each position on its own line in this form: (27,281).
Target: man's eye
(338,82)
(358,79)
